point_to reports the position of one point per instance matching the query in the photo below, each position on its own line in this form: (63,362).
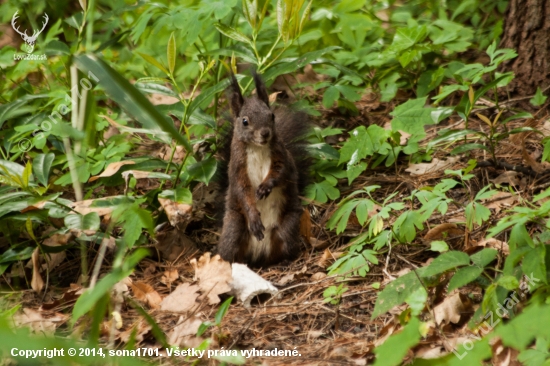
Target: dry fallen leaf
(450,310)
(55,259)
(182,299)
(158,99)
(169,276)
(37,283)
(185,329)
(145,292)
(509,177)
(434,166)
(328,257)
(141,329)
(386,332)
(495,244)
(318,276)
(501,200)
(429,352)
(318,244)
(111,169)
(68,297)
(503,356)
(285,279)
(214,276)
(174,244)
(178,214)
(273,97)
(443,231)
(84,207)
(36,321)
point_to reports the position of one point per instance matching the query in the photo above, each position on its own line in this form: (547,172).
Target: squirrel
(267,170)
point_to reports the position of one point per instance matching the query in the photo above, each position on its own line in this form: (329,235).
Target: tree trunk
(527,30)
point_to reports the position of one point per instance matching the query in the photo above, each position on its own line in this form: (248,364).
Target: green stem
(184,120)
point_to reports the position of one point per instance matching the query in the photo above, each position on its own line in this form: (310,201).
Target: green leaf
(154,62)
(12,255)
(412,116)
(135,219)
(155,89)
(330,96)
(139,27)
(484,257)
(447,261)
(41,165)
(171,53)
(26,178)
(538,99)
(129,98)
(203,171)
(395,348)
(233,34)
(439,246)
(90,221)
(406,225)
(397,291)
(322,191)
(354,171)
(250,10)
(341,216)
(208,93)
(534,264)
(519,115)
(305,16)
(388,86)
(468,147)
(282,21)
(464,276)
(90,297)
(224,307)
(450,136)
(476,213)
(417,301)
(179,195)
(407,37)
(520,331)
(364,142)
(508,282)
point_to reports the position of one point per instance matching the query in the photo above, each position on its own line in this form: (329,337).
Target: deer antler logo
(30,40)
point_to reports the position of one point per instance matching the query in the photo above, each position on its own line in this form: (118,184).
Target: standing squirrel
(267,170)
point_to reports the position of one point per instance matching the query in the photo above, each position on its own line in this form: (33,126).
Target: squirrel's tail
(292,128)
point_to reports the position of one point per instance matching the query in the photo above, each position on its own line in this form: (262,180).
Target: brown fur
(275,136)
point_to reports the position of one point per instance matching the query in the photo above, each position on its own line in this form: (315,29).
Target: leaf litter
(188,292)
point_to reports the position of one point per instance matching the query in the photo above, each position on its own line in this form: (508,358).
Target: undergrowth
(107,60)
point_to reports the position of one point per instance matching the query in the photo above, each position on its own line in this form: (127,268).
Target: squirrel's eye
(245,121)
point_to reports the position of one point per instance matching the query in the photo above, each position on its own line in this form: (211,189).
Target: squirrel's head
(253,120)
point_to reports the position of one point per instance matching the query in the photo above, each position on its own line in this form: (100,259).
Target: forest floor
(299,317)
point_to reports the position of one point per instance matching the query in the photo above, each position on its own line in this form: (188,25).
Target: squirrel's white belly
(258,165)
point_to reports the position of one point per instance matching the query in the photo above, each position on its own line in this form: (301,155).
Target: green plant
(224,307)
(333,294)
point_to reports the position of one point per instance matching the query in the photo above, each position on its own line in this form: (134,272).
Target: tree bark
(527,30)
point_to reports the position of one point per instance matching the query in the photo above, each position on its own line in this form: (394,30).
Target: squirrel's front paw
(263,190)
(257,227)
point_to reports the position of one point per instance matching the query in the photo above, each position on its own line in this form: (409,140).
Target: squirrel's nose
(265,133)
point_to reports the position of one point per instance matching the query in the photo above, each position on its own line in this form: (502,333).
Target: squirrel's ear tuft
(236,98)
(261,91)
